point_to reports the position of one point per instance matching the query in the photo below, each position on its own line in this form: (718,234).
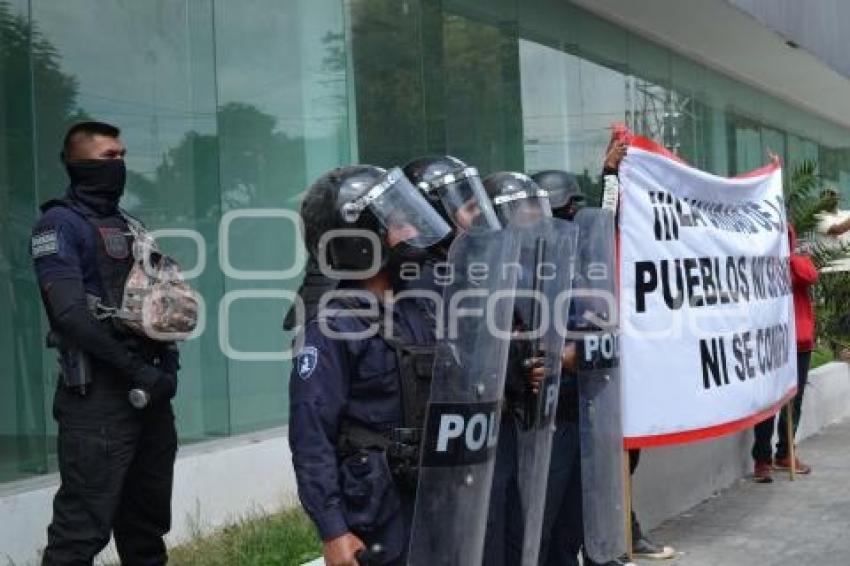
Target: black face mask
(569,211)
(97,183)
(403,253)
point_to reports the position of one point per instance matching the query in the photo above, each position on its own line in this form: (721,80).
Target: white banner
(707,340)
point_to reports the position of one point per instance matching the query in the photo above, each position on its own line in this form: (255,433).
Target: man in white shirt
(836,222)
(833,228)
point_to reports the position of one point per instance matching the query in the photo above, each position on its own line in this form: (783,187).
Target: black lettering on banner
(673,302)
(755,353)
(710,281)
(692,279)
(708,285)
(742,349)
(748,355)
(744,286)
(459,434)
(758,277)
(738,352)
(713,363)
(646,281)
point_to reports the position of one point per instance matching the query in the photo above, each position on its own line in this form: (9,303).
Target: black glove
(158,384)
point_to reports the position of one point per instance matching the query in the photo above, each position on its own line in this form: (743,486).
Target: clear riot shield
(461,425)
(547,252)
(595,326)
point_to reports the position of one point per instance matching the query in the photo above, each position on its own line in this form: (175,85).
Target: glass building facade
(232,106)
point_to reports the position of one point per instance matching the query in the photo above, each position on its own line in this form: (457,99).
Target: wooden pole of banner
(792,449)
(627,503)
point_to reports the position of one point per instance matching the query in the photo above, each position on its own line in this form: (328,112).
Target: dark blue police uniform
(342,383)
(563,529)
(115,462)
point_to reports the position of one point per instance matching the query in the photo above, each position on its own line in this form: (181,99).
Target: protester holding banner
(642,545)
(803,275)
(705,278)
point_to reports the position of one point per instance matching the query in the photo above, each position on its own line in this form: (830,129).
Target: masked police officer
(115,461)
(562,533)
(516,503)
(360,379)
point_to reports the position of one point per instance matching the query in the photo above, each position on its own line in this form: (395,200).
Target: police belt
(401,445)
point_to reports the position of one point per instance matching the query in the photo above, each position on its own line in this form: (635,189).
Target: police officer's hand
(568,358)
(160,385)
(341,551)
(536,372)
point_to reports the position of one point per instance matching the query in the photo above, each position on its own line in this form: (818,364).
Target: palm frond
(823,255)
(804,201)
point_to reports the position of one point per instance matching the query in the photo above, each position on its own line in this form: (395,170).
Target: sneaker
(645,548)
(762,473)
(785,464)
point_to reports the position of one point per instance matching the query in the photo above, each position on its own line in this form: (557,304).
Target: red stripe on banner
(653,146)
(654,441)
(775,164)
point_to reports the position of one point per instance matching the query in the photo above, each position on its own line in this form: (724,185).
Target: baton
(532,399)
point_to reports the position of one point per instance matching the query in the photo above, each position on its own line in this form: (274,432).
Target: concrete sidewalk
(787,523)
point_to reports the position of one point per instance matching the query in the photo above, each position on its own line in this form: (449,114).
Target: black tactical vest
(415,365)
(114,250)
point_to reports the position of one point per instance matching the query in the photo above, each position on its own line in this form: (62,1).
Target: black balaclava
(97,183)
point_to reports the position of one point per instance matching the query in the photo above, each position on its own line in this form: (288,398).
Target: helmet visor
(404,213)
(523,208)
(466,203)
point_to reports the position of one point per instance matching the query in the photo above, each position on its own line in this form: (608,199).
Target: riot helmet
(565,194)
(367,205)
(517,198)
(454,189)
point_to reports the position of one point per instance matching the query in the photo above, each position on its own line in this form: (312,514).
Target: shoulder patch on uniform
(306,361)
(44,243)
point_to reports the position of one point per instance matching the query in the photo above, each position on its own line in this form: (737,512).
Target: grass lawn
(820,356)
(284,539)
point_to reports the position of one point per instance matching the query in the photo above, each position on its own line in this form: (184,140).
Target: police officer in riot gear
(361,374)
(455,190)
(565,194)
(562,534)
(562,537)
(115,461)
(516,198)
(519,202)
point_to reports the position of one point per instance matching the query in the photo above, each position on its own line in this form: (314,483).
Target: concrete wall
(215,483)
(221,481)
